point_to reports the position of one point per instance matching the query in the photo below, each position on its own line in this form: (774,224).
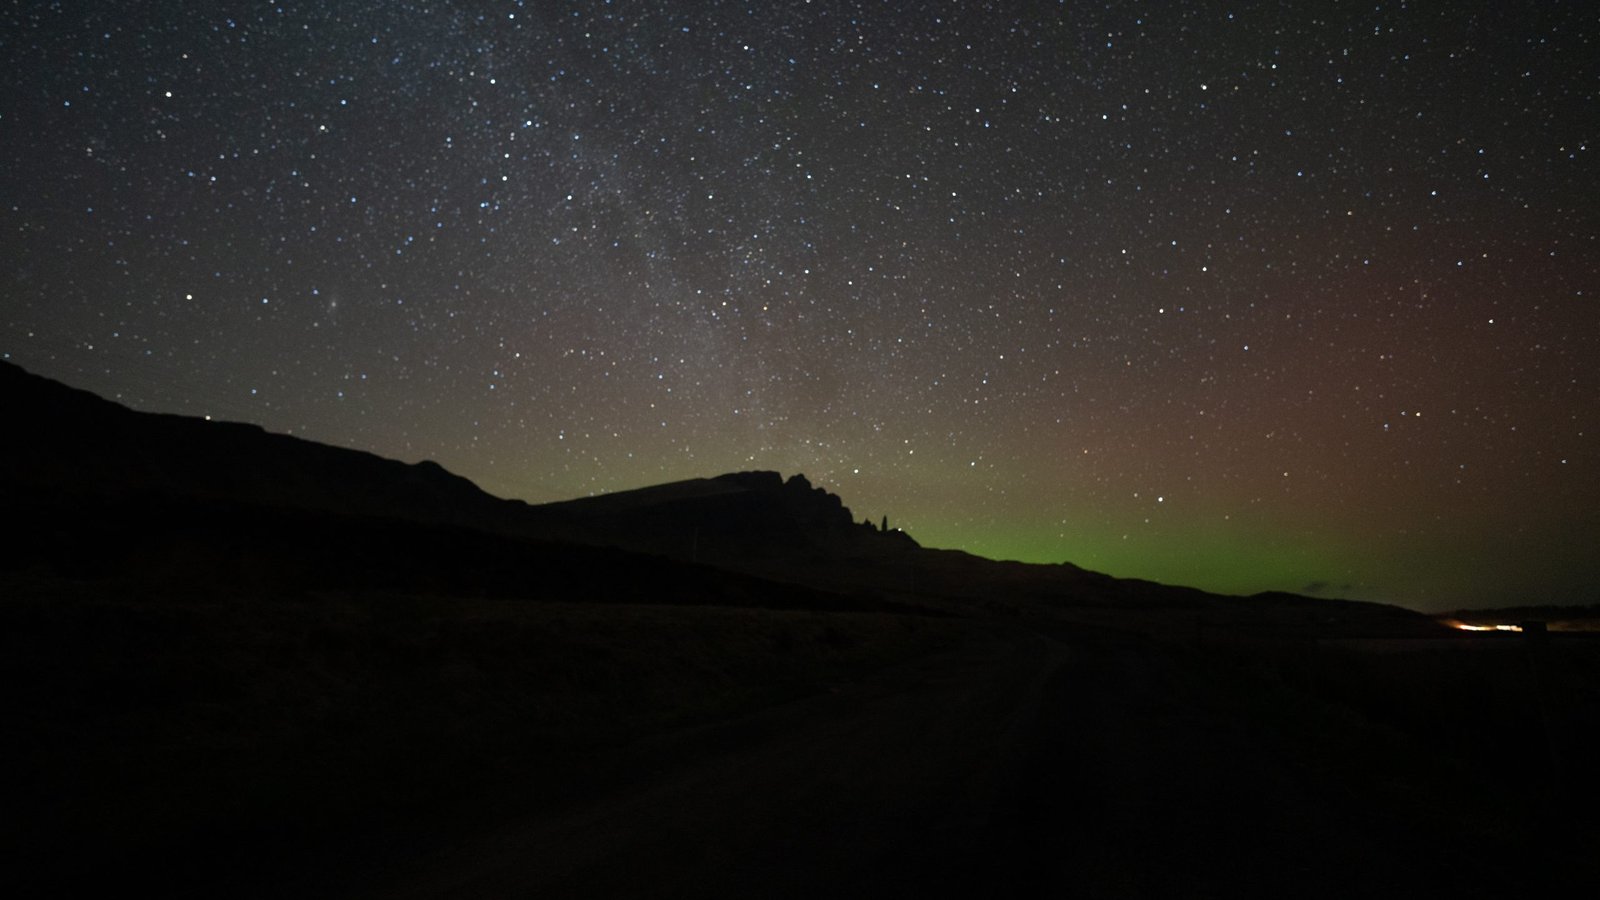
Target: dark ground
(396,746)
(241,665)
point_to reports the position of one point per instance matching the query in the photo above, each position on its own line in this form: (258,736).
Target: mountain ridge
(72,449)
(244,664)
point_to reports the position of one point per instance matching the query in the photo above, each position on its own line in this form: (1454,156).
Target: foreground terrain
(390,745)
(236,664)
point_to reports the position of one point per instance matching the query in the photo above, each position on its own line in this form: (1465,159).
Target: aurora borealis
(1241,296)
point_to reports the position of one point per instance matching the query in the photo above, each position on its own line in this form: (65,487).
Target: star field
(1243,296)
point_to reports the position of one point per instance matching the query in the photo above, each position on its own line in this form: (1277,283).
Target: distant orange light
(1465,627)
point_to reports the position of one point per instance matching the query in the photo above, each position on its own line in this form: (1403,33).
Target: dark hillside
(66,443)
(243,664)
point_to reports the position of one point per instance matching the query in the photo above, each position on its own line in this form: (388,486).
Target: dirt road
(857,787)
(1012,763)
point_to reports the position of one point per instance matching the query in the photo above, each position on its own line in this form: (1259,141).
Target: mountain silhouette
(108,492)
(112,489)
(244,664)
(741,516)
(70,442)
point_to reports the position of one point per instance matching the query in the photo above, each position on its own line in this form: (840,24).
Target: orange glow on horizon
(1463,626)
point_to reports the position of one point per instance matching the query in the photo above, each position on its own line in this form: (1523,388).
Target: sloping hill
(238,662)
(69,443)
(110,489)
(735,518)
(105,492)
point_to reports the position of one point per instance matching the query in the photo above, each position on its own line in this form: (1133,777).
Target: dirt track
(850,787)
(1010,764)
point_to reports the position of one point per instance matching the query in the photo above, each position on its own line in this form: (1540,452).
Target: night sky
(1295,296)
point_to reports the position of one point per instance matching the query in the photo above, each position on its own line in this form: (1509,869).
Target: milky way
(1244,296)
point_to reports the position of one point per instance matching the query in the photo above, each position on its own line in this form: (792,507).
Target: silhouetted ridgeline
(68,443)
(105,492)
(739,517)
(110,490)
(241,662)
